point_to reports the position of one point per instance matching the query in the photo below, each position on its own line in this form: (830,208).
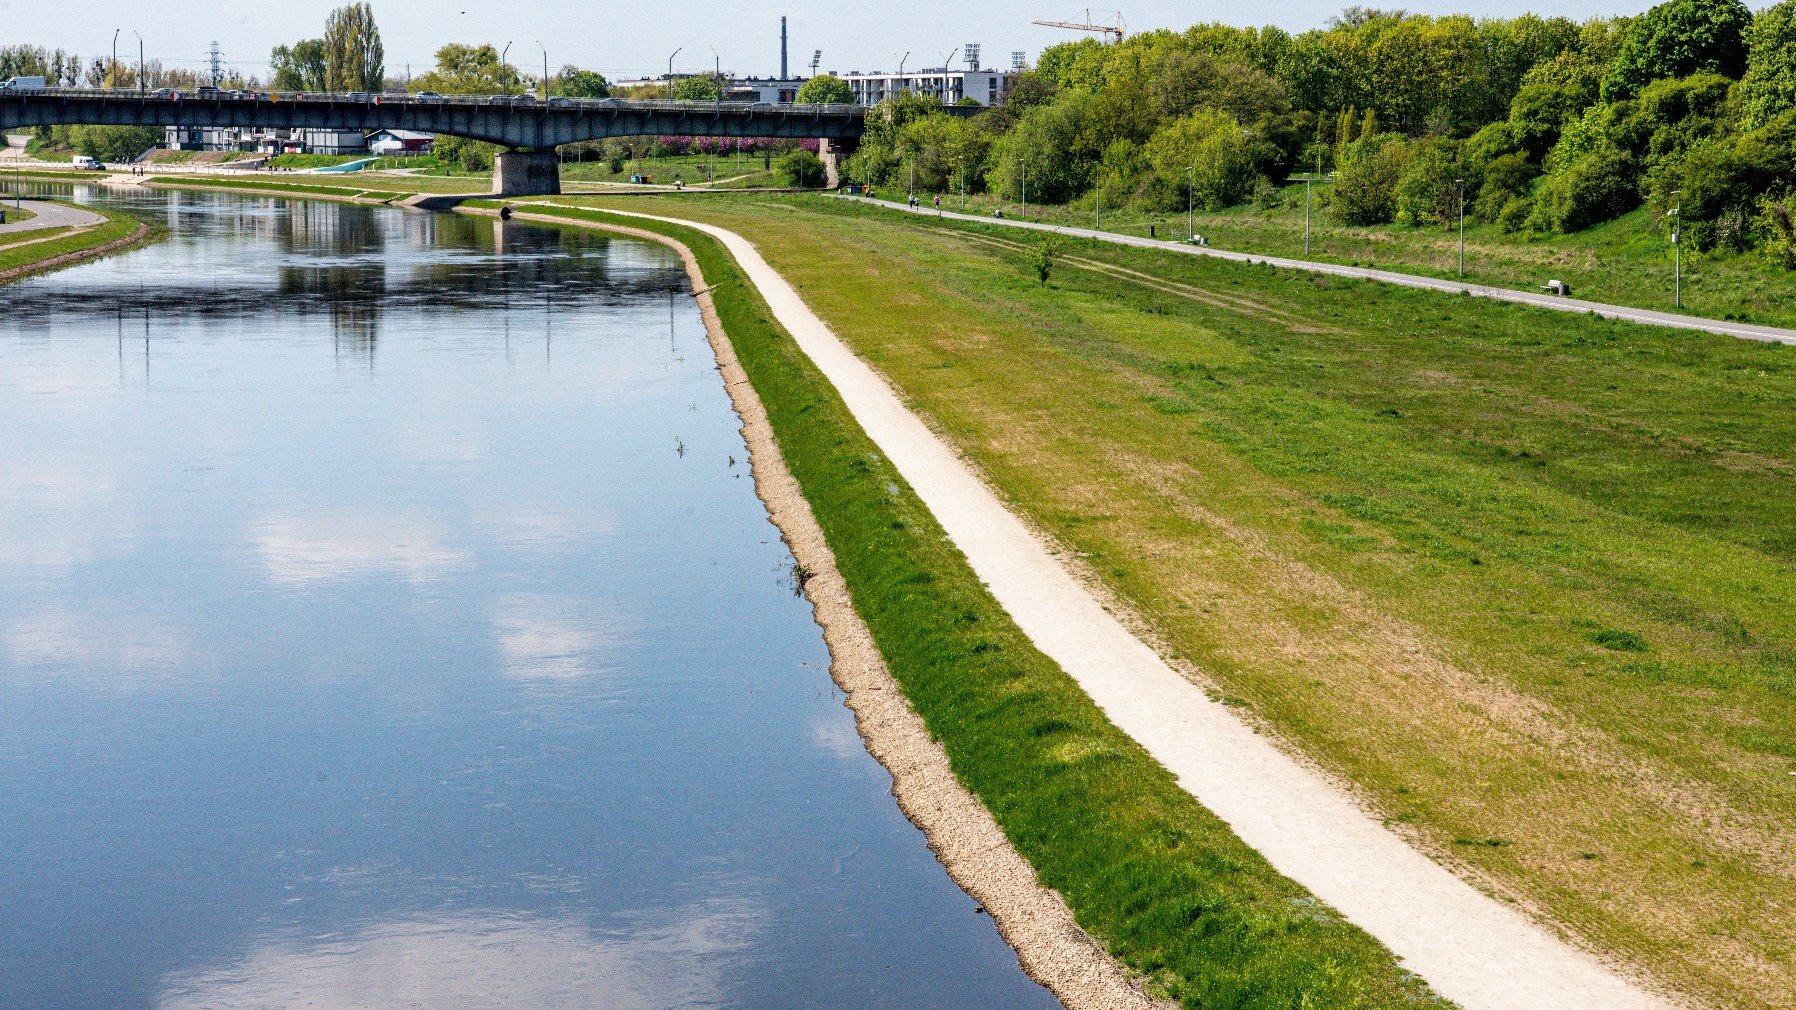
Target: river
(387,619)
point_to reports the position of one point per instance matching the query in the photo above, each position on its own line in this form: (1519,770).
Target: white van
(91,164)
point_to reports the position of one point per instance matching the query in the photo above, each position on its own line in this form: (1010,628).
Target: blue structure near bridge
(528,128)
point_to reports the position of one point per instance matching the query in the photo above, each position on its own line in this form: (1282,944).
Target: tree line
(1549,125)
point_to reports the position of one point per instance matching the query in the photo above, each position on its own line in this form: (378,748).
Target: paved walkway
(49,215)
(1745,331)
(1473,949)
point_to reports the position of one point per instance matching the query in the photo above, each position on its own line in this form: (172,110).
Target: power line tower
(216,60)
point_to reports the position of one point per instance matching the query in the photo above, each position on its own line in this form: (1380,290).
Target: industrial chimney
(784,74)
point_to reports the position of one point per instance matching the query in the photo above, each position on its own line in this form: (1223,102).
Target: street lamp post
(112,82)
(139,61)
(504,69)
(1191,206)
(545,49)
(1025,166)
(1307,184)
(1461,183)
(1677,248)
(670,57)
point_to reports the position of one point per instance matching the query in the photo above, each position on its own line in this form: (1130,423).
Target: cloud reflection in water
(488,960)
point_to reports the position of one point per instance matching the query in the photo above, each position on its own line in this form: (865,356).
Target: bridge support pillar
(835,157)
(526,173)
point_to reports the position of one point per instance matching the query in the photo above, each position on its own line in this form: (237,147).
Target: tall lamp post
(504,69)
(1308,182)
(1461,184)
(1025,167)
(112,82)
(139,61)
(1677,248)
(1191,206)
(670,57)
(545,49)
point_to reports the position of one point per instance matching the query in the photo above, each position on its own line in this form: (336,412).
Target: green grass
(1164,884)
(117,226)
(1627,261)
(1516,574)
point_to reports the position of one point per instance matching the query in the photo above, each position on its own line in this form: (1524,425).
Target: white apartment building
(987,87)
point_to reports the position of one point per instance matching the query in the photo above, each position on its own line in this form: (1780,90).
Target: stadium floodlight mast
(1677,248)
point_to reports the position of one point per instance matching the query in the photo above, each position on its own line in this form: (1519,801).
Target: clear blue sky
(625,39)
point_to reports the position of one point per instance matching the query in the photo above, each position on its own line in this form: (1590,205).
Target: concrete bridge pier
(835,153)
(526,173)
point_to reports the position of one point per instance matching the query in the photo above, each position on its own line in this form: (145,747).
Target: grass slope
(1159,879)
(1627,261)
(16,255)
(1523,578)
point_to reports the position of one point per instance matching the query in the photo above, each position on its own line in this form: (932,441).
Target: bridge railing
(386,98)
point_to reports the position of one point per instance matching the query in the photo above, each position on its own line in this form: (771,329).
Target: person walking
(938,205)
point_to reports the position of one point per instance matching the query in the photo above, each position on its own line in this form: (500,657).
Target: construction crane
(1115,31)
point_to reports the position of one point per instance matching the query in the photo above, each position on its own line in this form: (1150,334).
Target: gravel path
(1474,949)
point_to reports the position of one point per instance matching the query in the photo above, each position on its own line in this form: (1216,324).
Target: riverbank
(31,254)
(1164,884)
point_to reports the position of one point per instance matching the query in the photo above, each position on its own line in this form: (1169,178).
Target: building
(774,90)
(391,143)
(302,141)
(950,87)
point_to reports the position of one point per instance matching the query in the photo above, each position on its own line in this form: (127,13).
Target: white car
(84,162)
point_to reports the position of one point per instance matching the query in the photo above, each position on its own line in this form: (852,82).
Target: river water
(387,619)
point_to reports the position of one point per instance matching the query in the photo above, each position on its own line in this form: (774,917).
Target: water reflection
(485,960)
(385,620)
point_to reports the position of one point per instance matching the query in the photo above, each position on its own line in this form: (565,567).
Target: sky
(623,40)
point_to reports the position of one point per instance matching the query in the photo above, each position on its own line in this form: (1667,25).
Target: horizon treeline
(1551,125)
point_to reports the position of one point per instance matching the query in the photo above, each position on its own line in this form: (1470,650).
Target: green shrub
(799,167)
(1595,188)
(1365,190)
(1505,179)
(1515,214)
(1206,154)
(1427,192)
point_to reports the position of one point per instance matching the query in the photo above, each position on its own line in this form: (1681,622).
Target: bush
(1593,189)
(1207,155)
(1365,190)
(1426,191)
(1515,214)
(799,168)
(1777,228)
(1505,179)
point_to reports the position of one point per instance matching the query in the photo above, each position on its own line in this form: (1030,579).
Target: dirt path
(1472,948)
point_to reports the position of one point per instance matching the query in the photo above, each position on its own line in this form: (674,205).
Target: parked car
(87,164)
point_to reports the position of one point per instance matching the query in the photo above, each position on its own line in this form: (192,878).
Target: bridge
(528,128)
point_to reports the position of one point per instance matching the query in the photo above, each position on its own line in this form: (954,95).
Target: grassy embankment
(28,250)
(1165,884)
(1523,578)
(1627,261)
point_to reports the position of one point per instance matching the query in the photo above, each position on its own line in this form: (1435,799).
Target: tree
(1366,185)
(1677,39)
(700,88)
(114,143)
(1206,154)
(828,89)
(573,82)
(799,167)
(1769,85)
(467,70)
(354,58)
(301,67)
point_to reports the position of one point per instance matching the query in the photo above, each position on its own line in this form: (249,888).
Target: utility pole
(1677,248)
(1461,183)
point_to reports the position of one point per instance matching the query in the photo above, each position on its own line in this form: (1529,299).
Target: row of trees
(1548,124)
